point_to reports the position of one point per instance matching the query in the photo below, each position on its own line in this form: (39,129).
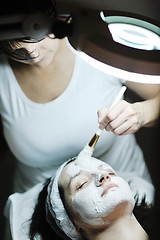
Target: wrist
(149,111)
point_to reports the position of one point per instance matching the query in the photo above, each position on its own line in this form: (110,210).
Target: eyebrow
(73,177)
(108,169)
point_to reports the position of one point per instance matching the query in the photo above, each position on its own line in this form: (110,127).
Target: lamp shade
(135,49)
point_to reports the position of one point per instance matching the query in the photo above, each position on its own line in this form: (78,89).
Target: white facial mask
(84,155)
(88,164)
(88,202)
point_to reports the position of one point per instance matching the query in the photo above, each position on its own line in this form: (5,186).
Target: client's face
(93,193)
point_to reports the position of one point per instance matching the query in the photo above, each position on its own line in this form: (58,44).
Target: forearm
(127,118)
(148,111)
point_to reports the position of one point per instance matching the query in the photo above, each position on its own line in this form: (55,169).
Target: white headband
(55,207)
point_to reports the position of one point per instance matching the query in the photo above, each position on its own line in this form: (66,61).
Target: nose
(104,178)
(32,50)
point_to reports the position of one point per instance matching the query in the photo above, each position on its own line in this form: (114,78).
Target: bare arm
(150,108)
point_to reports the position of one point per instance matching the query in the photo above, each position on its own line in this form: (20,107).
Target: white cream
(80,161)
(85,154)
(89,164)
(85,157)
(88,202)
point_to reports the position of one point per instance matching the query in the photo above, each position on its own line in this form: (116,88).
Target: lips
(107,188)
(41,60)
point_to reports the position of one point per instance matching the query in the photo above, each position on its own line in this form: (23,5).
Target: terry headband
(55,208)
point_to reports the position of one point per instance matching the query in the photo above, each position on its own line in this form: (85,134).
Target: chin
(44,62)
(108,216)
(123,208)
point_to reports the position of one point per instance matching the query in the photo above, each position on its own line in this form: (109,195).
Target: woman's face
(94,193)
(42,51)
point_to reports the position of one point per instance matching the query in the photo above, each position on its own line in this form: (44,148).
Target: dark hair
(7,46)
(39,224)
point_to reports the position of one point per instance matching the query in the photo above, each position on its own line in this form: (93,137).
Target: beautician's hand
(124,118)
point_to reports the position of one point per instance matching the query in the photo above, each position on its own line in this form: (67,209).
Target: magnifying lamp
(124,36)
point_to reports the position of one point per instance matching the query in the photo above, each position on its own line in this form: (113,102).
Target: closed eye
(111,173)
(81,185)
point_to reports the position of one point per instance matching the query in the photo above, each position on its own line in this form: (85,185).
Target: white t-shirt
(43,136)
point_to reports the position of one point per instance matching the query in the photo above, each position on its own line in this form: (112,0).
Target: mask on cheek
(92,208)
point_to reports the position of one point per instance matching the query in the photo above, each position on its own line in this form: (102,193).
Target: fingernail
(101,126)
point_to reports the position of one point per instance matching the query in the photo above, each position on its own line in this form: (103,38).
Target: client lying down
(82,201)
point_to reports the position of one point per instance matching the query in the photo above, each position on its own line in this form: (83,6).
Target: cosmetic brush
(89,148)
(97,134)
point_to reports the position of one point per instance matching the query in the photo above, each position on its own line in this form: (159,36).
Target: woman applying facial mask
(47,91)
(82,201)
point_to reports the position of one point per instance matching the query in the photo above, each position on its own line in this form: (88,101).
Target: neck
(123,229)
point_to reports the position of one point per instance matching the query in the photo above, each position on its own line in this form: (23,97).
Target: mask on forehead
(89,164)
